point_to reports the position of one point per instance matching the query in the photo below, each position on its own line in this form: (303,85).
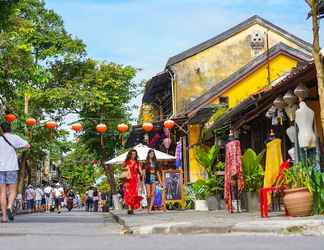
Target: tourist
(130,187)
(38,198)
(9,143)
(152,178)
(95,200)
(59,197)
(89,199)
(30,196)
(48,191)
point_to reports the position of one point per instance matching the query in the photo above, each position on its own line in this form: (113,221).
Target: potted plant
(214,169)
(253,178)
(200,191)
(298,197)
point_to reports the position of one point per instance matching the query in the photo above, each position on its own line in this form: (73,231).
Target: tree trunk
(22,174)
(111,178)
(317,56)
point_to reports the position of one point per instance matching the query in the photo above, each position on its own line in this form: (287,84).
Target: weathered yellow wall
(196,171)
(258,80)
(216,64)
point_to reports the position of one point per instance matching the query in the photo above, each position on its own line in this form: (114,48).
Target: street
(81,230)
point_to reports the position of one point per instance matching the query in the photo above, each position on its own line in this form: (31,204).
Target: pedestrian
(95,200)
(38,198)
(152,178)
(89,195)
(9,167)
(130,187)
(59,197)
(48,192)
(30,196)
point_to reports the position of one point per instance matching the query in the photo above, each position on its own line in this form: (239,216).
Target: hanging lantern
(122,128)
(290,98)
(31,122)
(279,102)
(51,125)
(301,91)
(101,128)
(147,127)
(169,124)
(77,127)
(10,118)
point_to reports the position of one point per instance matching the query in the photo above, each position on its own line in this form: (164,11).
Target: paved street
(81,230)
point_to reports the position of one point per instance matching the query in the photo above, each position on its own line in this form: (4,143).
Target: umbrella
(142,151)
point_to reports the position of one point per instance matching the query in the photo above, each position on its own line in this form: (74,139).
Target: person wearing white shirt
(38,198)
(9,142)
(48,191)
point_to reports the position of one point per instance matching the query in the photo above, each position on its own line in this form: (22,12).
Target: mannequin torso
(304,121)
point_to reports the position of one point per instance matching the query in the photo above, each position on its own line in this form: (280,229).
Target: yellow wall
(244,88)
(216,64)
(258,80)
(196,171)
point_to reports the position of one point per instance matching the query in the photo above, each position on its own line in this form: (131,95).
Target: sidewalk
(216,222)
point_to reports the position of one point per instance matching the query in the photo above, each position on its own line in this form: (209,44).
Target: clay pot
(298,201)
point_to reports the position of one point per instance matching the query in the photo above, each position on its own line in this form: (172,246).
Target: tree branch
(309,2)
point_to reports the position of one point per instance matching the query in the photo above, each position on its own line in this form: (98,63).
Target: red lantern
(10,118)
(147,127)
(169,124)
(31,122)
(122,128)
(51,125)
(77,127)
(101,128)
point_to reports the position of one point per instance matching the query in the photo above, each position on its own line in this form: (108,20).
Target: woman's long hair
(148,157)
(129,155)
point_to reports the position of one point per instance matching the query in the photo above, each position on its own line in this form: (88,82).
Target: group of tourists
(136,175)
(48,198)
(96,201)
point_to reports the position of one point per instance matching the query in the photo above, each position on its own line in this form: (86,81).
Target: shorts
(38,202)
(43,201)
(8,177)
(30,204)
(150,179)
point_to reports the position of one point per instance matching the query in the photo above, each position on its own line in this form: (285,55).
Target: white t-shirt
(8,156)
(59,192)
(30,194)
(39,194)
(48,190)
(90,193)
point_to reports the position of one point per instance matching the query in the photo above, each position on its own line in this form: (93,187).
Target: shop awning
(142,152)
(263,100)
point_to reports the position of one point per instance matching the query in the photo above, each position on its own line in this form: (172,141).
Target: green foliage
(298,176)
(208,159)
(318,190)
(252,170)
(200,190)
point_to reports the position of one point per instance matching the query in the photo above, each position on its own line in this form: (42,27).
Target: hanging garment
(233,166)
(178,155)
(273,162)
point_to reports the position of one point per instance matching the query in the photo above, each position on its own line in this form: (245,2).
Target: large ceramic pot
(214,202)
(201,205)
(298,201)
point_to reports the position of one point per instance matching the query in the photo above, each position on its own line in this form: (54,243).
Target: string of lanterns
(101,128)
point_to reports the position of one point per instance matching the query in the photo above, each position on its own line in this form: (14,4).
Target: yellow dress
(273,162)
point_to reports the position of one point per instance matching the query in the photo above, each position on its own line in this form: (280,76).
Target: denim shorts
(8,177)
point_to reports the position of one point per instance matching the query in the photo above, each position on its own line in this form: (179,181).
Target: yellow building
(229,68)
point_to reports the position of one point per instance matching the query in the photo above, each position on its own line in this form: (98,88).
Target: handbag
(125,175)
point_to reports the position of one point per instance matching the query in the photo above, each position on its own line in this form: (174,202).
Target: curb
(256,227)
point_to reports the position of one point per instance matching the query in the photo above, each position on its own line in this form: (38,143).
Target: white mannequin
(291,132)
(305,121)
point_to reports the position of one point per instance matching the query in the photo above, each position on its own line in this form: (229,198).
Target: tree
(315,14)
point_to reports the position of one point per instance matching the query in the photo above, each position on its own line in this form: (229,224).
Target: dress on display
(131,197)
(273,162)
(233,166)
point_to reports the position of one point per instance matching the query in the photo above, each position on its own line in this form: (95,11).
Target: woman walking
(152,178)
(9,169)
(130,188)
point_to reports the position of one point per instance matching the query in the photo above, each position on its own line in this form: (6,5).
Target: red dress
(131,197)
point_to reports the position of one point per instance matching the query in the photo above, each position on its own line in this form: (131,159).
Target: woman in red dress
(130,189)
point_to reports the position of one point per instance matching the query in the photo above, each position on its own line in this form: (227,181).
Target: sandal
(10,213)
(4,221)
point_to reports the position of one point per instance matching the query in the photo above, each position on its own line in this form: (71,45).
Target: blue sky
(145,33)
